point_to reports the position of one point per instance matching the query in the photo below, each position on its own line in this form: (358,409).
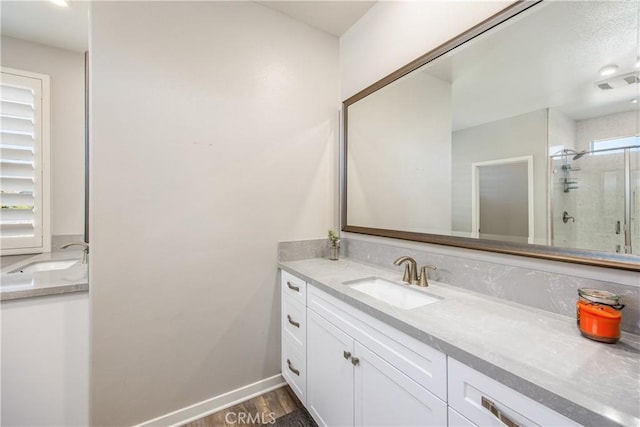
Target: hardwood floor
(259,411)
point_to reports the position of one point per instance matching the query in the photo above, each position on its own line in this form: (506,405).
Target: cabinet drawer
(294,320)
(294,287)
(294,367)
(470,392)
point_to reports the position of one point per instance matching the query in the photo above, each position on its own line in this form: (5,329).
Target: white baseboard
(215,404)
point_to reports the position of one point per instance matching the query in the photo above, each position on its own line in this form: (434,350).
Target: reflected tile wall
(552,292)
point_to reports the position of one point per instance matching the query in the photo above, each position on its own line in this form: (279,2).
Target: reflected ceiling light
(61,3)
(634,101)
(638,62)
(608,70)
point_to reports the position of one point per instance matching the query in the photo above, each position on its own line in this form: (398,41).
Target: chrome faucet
(411,271)
(85,249)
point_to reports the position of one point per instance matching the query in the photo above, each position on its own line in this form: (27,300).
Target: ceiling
(45,23)
(67,28)
(549,56)
(334,17)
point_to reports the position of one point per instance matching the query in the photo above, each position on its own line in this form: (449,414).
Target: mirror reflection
(43,163)
(527,133)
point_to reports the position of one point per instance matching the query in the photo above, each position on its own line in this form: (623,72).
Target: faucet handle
(422,281)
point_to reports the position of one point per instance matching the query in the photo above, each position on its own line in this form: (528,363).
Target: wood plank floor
(258,411)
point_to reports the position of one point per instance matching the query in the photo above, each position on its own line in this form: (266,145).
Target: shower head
(580,154)
(568,151)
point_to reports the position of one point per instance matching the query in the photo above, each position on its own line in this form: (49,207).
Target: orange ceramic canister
(598,322)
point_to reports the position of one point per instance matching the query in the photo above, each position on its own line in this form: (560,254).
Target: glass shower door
(589,201)
(596,200)
(600,202)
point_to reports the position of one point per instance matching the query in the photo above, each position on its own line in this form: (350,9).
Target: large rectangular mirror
(44,164)
(519,136)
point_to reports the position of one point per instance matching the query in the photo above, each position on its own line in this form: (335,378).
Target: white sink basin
(37,266)
(401,296)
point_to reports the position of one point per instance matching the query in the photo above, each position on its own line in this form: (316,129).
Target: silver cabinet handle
(498,413)
(292,369)
(291,286)
(296,324)
(355,361)
(346,354)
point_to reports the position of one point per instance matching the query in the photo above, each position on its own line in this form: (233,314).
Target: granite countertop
(540,354)
(52,282)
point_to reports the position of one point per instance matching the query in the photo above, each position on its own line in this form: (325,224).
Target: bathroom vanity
(45,340)
(50,273)
(466,359)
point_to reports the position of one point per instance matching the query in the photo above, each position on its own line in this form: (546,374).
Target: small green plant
(333,237)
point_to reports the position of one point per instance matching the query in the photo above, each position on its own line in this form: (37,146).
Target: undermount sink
(401,296)
(38,266)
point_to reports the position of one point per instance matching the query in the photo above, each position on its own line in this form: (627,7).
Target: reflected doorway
(502,199)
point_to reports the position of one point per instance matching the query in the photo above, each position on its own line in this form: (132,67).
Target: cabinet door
(329,373)
(384,396)
(457,420)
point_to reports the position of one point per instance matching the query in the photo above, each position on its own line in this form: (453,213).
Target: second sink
(400,296)
(38,266)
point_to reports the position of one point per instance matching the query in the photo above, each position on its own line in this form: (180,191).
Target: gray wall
(213,137)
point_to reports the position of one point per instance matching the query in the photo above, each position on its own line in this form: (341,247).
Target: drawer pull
(498,413)
(292,369)
(296,324)
(346,354)
(291,286)
(355,361)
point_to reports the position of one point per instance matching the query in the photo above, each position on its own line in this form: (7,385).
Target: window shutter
(21,167)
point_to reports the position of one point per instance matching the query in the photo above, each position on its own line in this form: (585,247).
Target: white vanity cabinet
(362,373)
(294,333)
(351,369)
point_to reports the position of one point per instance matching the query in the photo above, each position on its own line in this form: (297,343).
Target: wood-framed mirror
(519,136)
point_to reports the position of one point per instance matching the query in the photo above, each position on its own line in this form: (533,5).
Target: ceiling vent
(616,82)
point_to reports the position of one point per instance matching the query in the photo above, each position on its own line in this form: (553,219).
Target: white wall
(617,125)
(213,138)
(523,135)
(400,141)
(562,135)
(66,69)
(562,131)
(45,361)
(393,33)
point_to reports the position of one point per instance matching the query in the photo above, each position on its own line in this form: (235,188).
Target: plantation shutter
(21,177)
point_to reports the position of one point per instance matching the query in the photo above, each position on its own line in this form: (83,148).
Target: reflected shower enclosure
(595,196)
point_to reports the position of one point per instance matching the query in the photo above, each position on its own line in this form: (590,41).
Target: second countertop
(43,283)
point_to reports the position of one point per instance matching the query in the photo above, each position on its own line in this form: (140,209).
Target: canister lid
(599,296)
